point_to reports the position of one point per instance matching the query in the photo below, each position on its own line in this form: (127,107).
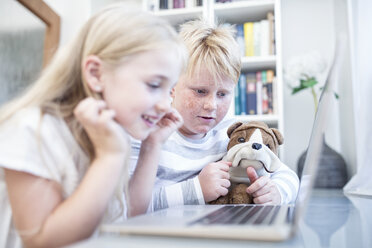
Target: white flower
(310,64)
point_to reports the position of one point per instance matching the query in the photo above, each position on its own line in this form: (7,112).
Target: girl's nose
(164,105)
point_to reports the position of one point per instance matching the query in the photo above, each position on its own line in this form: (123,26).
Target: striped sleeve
(187,192)
(287,182)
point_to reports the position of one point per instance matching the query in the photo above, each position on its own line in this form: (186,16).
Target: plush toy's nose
(256,146)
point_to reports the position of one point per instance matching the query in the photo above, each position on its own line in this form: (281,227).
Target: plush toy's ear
(233,127)
(278,135)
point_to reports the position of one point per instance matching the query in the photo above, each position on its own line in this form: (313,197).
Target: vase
(331,173)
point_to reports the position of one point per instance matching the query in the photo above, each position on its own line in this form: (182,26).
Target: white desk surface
(332,220)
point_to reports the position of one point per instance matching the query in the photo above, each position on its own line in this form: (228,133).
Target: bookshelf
(240,12)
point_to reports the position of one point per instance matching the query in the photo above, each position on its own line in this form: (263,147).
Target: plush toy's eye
(241,140)
(268,146)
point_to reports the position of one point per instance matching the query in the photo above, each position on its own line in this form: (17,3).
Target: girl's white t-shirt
(52,153)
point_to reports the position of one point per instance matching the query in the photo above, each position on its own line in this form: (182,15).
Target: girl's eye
(241,140)
(153,85)
(221,94)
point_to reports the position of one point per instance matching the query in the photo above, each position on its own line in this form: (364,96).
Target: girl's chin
(141,135)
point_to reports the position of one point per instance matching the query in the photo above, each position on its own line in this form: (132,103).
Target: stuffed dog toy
(251,144)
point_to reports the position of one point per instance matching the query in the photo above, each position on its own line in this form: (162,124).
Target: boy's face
(202,102)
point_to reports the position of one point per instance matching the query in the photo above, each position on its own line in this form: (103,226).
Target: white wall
(72,13)
(131,4)
(306,26)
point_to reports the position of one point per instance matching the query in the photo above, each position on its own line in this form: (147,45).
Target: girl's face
(139,90)
(202,102)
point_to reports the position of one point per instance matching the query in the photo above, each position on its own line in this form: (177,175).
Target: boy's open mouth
(206,117)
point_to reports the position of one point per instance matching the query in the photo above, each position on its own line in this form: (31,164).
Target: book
(248,38)
(240,38)
(275,97)
(163,4)
(251,93)
(257,38)
(178,4)
(259,92)
(269,85)
(264,37)
(265,96)
(270,18)
(242,94)
(237,110)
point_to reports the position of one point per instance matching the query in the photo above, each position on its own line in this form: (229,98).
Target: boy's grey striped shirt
(181,161)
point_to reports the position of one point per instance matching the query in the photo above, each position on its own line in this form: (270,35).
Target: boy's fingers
(258,184)
(222,191)
(228,163)
(225,166)
(225,183)
(252,174)
(264,199)
(261,192)
(225,175)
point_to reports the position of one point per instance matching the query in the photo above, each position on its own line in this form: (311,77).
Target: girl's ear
(92,72)
(172,93)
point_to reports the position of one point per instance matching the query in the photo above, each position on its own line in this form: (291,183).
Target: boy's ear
(92,72)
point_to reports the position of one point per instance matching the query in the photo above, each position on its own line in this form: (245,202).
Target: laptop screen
(320,123)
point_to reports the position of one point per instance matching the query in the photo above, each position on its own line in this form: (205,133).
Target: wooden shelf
(181,15)
(243,11)
(258,63)
(270,119)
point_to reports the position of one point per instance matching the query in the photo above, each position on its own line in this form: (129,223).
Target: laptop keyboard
(241,215)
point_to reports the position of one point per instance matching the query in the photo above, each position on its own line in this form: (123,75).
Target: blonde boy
(187,172)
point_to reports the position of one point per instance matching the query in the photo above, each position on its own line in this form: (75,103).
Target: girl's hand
(214,180)
(262,189)
(170,122)
(107,136)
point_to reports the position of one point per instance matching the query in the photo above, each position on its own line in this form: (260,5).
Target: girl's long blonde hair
(113,34)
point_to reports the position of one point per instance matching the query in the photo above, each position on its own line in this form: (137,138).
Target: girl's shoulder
(29,118)
(41,145)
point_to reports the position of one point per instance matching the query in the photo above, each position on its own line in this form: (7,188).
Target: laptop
(245,222)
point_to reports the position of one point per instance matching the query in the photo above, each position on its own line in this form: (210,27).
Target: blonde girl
(64,143)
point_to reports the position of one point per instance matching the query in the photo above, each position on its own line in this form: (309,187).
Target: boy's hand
(214,180)
(170,122)
(262,189)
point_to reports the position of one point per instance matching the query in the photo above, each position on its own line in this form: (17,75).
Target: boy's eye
(221,94)
(200,91)
(241,140)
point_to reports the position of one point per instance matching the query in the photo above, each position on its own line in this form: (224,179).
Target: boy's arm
(287,182)
(186,192)
(182,193)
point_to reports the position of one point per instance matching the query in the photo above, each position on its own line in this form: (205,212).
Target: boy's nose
(210,103)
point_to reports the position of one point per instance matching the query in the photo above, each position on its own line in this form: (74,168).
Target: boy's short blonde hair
(212,47)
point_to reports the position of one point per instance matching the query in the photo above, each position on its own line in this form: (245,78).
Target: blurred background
(302,26)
